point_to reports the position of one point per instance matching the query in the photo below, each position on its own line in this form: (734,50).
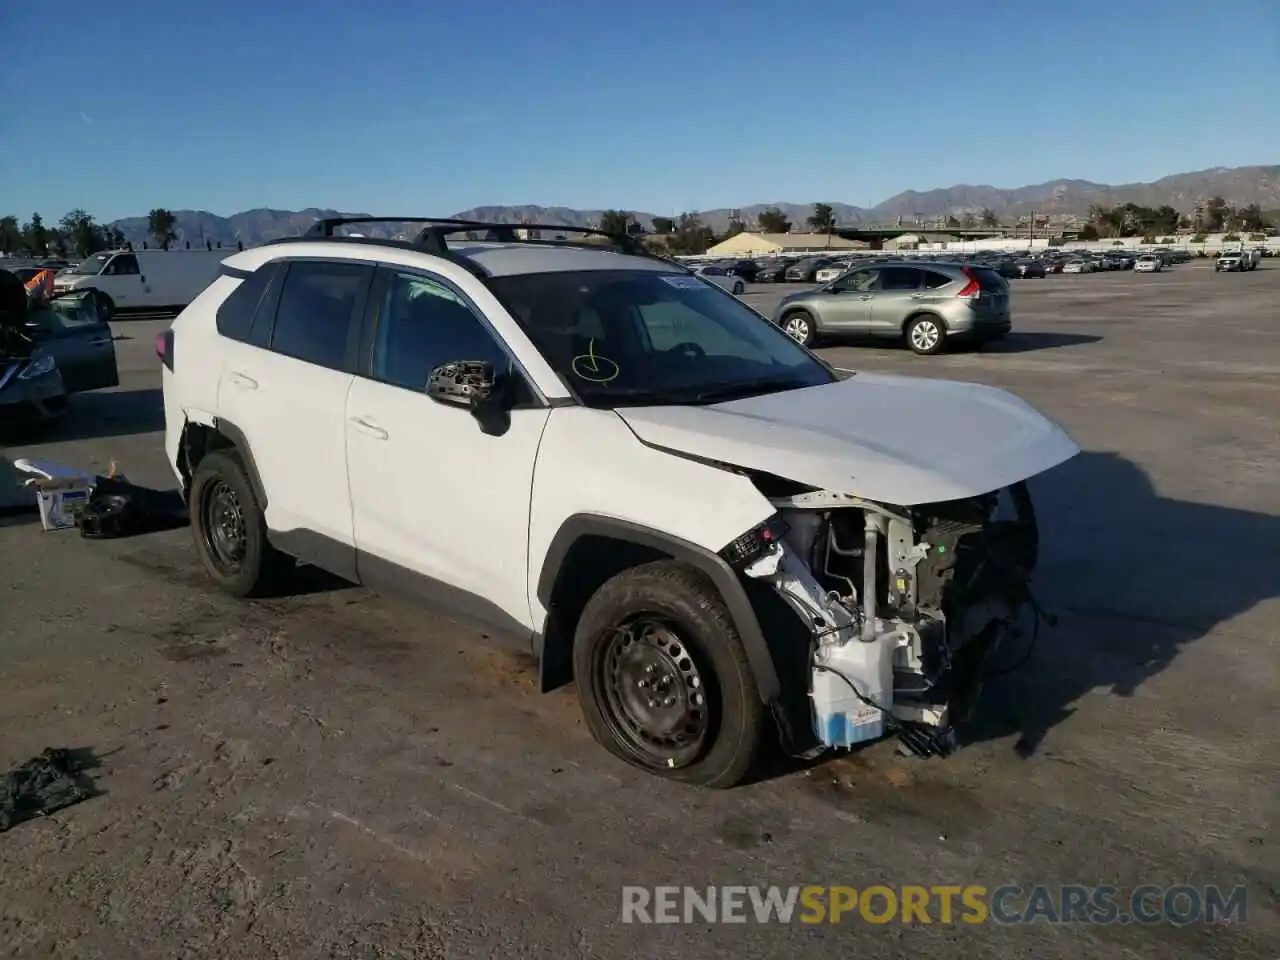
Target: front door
(440,508)
(123,281)
(847,308)
(74,331)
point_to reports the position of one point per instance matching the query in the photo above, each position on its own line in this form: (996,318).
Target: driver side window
(421,324)
(126,264)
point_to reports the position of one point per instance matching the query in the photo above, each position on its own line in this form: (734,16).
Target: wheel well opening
(906,324)
(198,440)
(591,562)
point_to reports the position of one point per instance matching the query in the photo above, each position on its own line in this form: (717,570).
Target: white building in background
(748,244)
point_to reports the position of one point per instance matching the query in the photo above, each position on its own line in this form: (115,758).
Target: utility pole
(1031,236)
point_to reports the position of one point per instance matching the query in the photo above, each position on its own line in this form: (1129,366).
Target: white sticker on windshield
(682,281)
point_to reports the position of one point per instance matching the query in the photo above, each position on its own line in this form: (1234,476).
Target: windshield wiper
(747,388)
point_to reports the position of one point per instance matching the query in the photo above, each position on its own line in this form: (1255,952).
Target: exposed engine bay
(905,606)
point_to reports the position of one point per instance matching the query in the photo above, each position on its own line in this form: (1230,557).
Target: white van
(145,279)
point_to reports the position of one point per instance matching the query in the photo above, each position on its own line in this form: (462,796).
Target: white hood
(898,440)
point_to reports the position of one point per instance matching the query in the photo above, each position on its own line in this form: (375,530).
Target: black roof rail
(464,262)
(436,230)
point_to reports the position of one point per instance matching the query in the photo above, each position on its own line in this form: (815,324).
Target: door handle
(241,380)
(100,342)
(864,297)
(369,427)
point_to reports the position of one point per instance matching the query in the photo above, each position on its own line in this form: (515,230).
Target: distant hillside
(1239,186)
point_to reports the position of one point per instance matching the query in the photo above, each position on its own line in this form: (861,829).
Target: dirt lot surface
(336,774)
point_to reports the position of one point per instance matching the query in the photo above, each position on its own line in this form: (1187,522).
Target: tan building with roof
(748,244)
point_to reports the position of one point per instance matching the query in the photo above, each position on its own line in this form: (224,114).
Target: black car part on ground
(117,508)
(43,785)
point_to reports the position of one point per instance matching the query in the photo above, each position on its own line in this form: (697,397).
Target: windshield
(92,266)
(621,337)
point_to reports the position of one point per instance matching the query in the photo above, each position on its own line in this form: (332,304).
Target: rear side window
(933,280)
(317,308)
(235,316)
(899,278)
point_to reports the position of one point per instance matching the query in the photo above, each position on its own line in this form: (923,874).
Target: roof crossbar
(436,230)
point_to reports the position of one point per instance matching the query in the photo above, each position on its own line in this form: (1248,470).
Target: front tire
(663,678)
(230,531)
(799,325)
(926,335)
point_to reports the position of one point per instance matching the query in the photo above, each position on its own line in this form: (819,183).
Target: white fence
(1212,246)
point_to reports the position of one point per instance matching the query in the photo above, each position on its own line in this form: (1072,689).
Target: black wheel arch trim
(720,573)
(241,444)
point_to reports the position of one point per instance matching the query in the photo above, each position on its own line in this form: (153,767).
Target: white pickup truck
(1236,261)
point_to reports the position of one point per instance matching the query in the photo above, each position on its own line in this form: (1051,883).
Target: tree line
(689,234)
(77,235)
(1132,220)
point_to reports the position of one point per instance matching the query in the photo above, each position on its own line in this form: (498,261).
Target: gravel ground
(336,774)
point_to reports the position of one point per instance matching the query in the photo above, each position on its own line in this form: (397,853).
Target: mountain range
(1055,199)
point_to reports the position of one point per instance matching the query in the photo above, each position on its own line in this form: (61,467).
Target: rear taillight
(164,348)
(972,288)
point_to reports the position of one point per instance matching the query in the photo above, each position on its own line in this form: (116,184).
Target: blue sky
(429,107)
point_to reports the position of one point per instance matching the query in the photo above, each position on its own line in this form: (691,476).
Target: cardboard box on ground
(61,492)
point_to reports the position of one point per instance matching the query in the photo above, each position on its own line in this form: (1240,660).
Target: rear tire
(663,678)
(926,335)
(230,531)
(799,325)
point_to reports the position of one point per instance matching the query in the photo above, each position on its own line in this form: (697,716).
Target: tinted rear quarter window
(235,316)
(933,280)
(318,304)
(899,278)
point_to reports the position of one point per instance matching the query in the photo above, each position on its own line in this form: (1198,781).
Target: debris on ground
(118,508)
(100,506)
(43,785)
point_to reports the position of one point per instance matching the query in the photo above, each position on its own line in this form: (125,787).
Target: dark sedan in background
(49,351)
(775,271)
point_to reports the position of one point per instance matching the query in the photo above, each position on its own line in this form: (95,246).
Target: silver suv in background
(928,304)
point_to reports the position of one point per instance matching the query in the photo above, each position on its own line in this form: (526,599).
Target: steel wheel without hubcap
(925,335)
(655,700)
(797,327)
(224,532)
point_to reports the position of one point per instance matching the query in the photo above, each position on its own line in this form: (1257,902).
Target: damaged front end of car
(904,607)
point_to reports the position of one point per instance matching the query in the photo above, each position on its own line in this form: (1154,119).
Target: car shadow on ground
(1027,341)
(1018,342)
(1135,577)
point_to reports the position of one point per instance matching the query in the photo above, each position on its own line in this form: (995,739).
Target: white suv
(621,466)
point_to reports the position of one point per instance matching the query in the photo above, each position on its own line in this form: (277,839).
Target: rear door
(284,383)
(894,298)
(79,339)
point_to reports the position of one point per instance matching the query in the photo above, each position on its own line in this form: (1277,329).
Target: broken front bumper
(903,609)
